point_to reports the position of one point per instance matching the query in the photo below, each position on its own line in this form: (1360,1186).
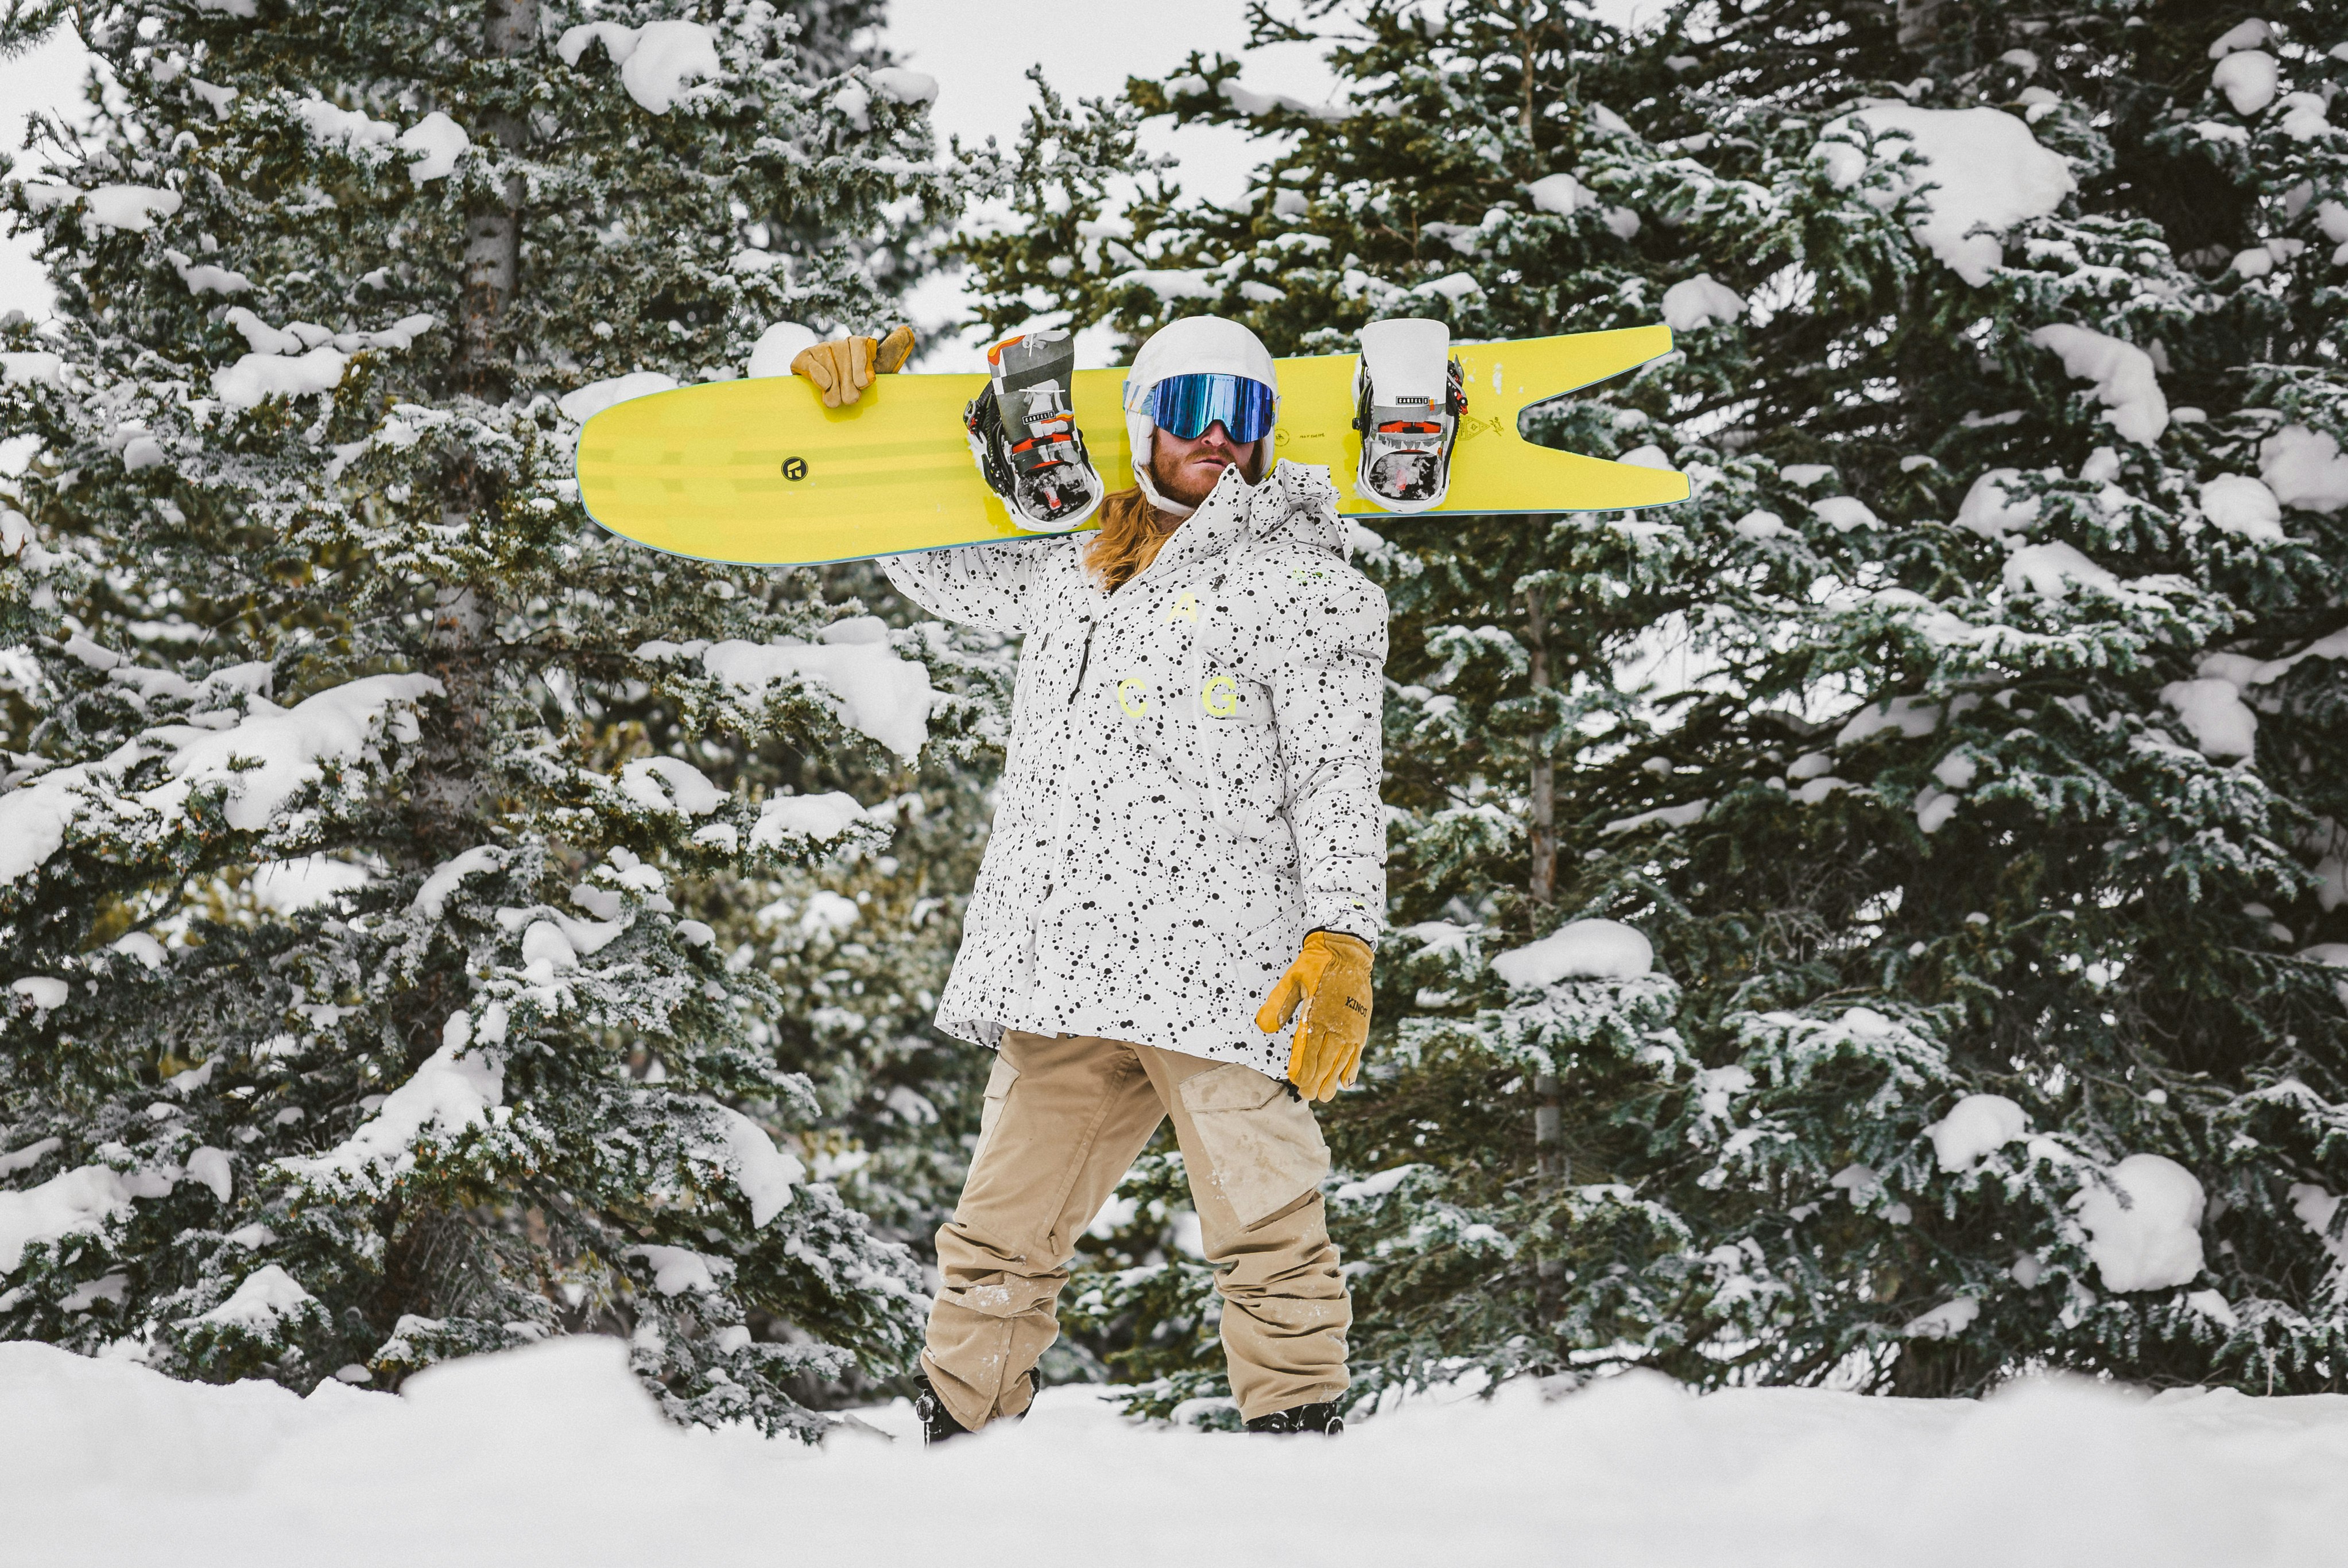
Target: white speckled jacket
(1192,781)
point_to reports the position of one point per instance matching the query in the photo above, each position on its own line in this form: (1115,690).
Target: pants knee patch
(1262,1148)
(1005,1298)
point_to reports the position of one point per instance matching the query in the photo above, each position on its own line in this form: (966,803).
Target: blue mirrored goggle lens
(1185,405)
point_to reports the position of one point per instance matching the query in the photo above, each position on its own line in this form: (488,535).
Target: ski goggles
(1184,406)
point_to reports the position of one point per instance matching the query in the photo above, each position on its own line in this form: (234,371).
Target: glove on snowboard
(841,368)
(1331,978)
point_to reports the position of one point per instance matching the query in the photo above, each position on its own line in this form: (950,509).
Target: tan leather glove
(893,351)
(841,368)
(1331,979)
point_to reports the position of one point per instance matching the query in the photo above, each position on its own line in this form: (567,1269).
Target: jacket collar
(1221,522)
(1296,501)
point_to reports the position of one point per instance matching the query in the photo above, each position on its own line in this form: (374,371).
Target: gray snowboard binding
(1024,436)
(1408,399)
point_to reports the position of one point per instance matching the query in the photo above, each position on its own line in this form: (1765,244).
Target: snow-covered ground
(551,1455)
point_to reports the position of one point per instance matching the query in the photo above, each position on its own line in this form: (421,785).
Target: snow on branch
(655,60)
(765,1174)
(1982,172)
(2123,375)
(876,693)
(458,1088)
(259,764)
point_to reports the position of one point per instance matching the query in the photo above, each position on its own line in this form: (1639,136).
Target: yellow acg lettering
(1219,696)
(1133,696)
(1185,607)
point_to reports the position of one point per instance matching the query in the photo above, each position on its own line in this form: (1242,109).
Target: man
(1188,851)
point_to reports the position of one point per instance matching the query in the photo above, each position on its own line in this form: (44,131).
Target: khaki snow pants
(1065,1117)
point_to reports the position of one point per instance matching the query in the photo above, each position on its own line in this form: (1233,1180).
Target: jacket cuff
(1336,912)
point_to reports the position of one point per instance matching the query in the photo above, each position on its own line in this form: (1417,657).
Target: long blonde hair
(1128,540)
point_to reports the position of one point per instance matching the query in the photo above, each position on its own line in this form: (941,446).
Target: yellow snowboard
(759,473)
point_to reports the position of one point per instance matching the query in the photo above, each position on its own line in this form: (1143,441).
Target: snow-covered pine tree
(296,579)
(1969,748)
(859,945)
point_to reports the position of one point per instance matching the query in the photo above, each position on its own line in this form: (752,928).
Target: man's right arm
(979,584)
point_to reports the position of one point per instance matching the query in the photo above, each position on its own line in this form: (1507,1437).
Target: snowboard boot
(938,1424)
(1323,1419)
(1408,398)
(1024,436)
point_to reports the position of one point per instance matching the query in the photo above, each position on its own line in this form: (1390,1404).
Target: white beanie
(1195,345)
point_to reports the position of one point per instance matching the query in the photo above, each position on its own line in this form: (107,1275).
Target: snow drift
(511,1460)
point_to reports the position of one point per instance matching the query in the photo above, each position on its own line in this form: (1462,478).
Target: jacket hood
(1297,504)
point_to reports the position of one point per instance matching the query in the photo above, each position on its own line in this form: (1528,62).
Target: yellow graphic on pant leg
(1133,696)
(1185,607)
(1219,696)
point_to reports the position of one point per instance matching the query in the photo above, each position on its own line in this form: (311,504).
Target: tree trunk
(450,785)
(1549,1110)
(493,233)
(439,1264)
(1942,1370)
(1543,791)
(1918,22)
(1525,106)
(1548,1131)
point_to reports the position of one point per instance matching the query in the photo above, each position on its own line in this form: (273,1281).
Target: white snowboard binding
(1409,397)
(1024,436)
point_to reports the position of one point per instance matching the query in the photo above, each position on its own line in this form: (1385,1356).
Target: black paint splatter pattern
(1193,782)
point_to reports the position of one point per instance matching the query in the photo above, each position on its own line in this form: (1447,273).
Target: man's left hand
(1331,980)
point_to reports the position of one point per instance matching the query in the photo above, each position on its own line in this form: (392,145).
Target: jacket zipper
(1083,664)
